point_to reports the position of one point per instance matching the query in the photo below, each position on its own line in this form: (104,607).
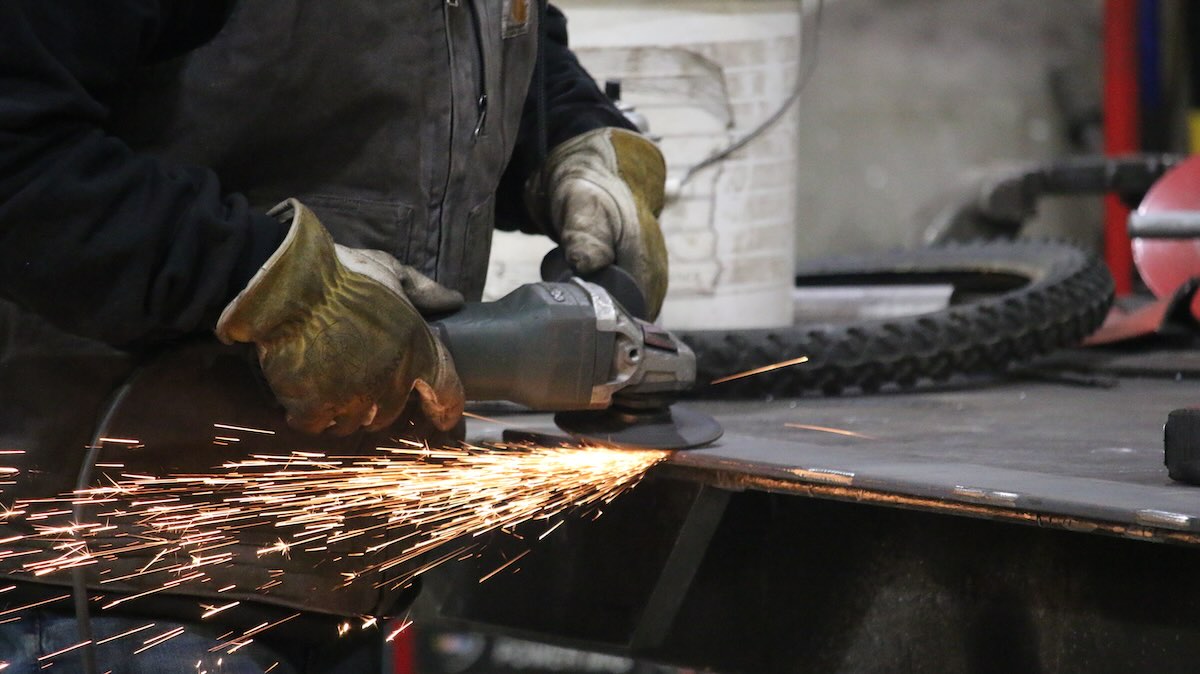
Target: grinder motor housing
(556,346)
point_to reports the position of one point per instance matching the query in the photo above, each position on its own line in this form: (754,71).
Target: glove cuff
(641,165)
(291,283)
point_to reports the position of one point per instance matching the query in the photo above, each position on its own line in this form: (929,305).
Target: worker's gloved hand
(340,335)
(602,192)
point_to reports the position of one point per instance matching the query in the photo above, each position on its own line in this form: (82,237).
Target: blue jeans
(40,633)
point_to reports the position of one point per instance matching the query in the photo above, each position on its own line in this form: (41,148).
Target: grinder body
(564,346)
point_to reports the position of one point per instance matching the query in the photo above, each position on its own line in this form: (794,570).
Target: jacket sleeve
(99,240)
(574,105)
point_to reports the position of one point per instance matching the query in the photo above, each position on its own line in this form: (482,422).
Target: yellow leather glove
(602,192)
(340,335)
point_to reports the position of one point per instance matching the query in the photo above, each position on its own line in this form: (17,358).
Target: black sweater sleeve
(574,105)
(99,240)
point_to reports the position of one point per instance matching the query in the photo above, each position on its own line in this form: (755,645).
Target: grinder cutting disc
(675,427)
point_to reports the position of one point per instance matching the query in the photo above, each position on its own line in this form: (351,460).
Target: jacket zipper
(481,98)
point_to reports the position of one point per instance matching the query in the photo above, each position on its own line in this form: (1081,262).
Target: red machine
(1165,231)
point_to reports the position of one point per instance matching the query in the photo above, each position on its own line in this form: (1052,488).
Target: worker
(308,178)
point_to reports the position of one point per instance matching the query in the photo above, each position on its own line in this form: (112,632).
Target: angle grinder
(566,345)
(581,347)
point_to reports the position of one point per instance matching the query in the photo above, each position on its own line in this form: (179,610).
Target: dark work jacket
(140,143)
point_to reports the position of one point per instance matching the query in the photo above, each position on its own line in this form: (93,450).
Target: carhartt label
(516,17)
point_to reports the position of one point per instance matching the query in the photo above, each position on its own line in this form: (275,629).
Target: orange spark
(490,420)
(504,566)
(213,610)
(161,638)
(393,514)
(761,370)
(125,634)
(35,604)
(60,651)
(551,530)
(404,625)
(835,431)
(229,427)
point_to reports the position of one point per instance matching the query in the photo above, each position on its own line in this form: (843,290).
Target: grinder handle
(619,283)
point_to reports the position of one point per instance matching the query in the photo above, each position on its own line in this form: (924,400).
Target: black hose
(79,591)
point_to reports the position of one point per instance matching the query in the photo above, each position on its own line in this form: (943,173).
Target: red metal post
(404,652)
(1120,127)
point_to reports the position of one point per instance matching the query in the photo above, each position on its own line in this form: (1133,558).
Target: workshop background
(909,97)
(903,105)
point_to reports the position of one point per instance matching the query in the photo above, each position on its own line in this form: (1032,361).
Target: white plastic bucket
(704,73)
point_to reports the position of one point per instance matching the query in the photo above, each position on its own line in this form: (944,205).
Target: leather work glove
(339,334)
(602,192)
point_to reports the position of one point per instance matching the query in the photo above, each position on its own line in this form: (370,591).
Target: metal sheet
(1049,454)
(1020,450)
(882,542)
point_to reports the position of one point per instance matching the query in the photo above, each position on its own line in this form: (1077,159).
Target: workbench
(1021,524)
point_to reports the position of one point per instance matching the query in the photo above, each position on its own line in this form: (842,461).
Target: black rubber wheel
(1012,301)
